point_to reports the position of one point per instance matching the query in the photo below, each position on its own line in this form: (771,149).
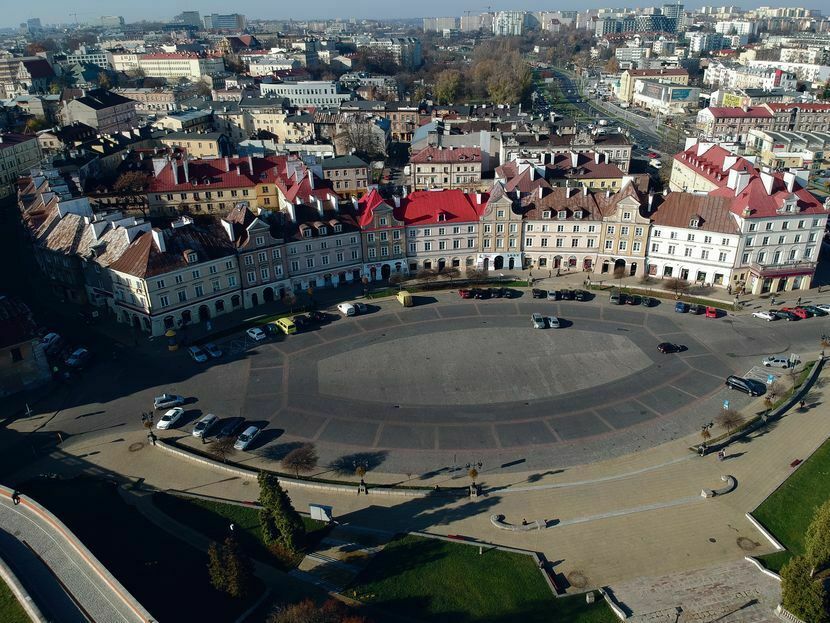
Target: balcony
(785,269)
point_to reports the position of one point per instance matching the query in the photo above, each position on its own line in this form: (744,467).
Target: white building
(705,42)
(807,72)
(307,92)
(180,65)
(508,23)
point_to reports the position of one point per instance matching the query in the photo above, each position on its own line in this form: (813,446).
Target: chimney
(607,193)
(355,204)
(175,168)
(319,205)
(540,192)
(292,215)
(650,201)
(397,201)
(789,181)
(311,179)
(227,164)
(596,157)
(228,227)
(574,159)
(251,164)
(186,165)
(768,181)
(158,238)
(585,191)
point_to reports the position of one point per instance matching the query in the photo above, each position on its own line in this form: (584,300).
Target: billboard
(684,94)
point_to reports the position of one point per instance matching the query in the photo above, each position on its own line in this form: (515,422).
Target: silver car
(203,426)
(538,321)
(244,440)
(776,362)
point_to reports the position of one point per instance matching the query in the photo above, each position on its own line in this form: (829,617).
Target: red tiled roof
(711,162)
(366,207)
(453,154)
(755,112)
(814,107)
(762,204)
(423,207)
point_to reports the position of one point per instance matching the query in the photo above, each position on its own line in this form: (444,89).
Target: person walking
(798,302)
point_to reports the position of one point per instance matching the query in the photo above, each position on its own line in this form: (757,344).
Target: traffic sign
(770,379)
(725,404)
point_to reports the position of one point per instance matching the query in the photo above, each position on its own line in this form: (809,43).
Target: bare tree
(301,459)
(477,274)
(426,274)
(676,285)
(222,448)
(619,273)
(361,135)
(730,419)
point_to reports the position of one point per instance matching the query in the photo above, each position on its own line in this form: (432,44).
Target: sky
(58,11)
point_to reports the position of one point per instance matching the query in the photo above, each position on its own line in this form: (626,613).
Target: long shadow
(348,463)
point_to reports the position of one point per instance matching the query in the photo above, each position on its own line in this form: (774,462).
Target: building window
(309,262)
(251,276)
(182,296)
(160,284)
(164,301)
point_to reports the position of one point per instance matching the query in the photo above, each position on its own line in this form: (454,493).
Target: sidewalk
(640,514)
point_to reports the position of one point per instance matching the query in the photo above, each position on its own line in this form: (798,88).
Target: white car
(765,315)
(347,309)
(203,426)
(776,362)
(256,334)
(197,354)
(165,401)
(244,440)
(170,418)
(824,306)
(553,322)
(50,339)
(538,321)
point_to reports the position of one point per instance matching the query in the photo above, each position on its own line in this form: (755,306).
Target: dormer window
(338,229)
(442,217)
(578,214)
(789,205)
(694,223)
(306,233)
(192,257)
(562,214)
(324,231)
(546,214)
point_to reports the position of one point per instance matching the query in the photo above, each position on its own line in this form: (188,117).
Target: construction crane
(75,15)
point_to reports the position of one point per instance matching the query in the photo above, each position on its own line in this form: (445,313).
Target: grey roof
(343,162)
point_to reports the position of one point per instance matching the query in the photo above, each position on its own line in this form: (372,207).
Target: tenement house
(446,168)
(383,234)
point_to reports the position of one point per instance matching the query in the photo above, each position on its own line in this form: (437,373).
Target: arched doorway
(168,322)
(356,274)
(373,272)
(220,306)
(186,316)
(572,261)
(204,313)
(146,322)
(557,261)
(498,262)
(136,323)
(282,293)
(486,263)
(619,265)
(605,266)
(511,263)
(442,264)
(633,270)
(427,265)
(235,300)
(268,295)
(254,299)
(386,270)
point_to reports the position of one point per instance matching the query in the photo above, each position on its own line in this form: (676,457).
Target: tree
(301,459)
(202,88)
(801,594)
(426,274)
(131,182)
(35,124)
(477,275)
(222,448)
(447,86)
(104,80)
(307,611)
(619,273)
(281,524)
(676,285)
(730,419)
(230,568)
(817,539)
(359,136)
(612,66)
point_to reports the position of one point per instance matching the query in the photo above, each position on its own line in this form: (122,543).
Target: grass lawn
(788,511)
(10,609)
(436,581)
(164,573)
(213,519)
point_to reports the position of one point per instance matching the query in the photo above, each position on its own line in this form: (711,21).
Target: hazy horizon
(57,12)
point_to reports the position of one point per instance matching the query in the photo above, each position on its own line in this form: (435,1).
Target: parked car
(246,438)
(824,307)
(497,293)
(748,386)
(230,427)
(653,154)
(347,309)
(695,309)
(204,424)
(711,312)
(668,348)
(78,358)
(553,322)
(633,299)
(765,315)
(785,315)
(616,298)
(650,302)
(681,308)
(539,294)
(796,311)
(774,361)
(466,293)
(318,316)
(256,334)
(554,295)
(169,419)
(197,354)
(213,350)
(567,295)
(302,322)
(482,293)
(165,401)
(538,321)
(815,310)
(50,341)
(286,325)
(581,295)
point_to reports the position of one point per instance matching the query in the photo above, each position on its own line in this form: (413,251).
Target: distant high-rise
(675,12)
(232,21)
(509,23)
(112,21)
(33,24)
(189,18)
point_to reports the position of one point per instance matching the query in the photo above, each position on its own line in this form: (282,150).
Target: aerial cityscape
(436,313)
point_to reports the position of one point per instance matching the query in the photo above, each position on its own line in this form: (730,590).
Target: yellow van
(287,325)
(405,298)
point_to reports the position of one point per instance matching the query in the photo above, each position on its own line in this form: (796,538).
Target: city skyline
(54,12)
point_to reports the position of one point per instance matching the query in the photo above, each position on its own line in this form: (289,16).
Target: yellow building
(199,145)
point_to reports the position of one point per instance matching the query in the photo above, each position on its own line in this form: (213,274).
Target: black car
(668,348)
(748,386)
(318,316)
(696,309)
(581,295)
(484,293)
(785,315)
(567,295)
(303,323)
(539,294)
(230,427)
(633,299)
(497,293)
(649,302)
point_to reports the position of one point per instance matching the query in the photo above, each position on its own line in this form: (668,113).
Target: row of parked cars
(487,293)
(561,295)
(205,425)
(801,312)
(58,351)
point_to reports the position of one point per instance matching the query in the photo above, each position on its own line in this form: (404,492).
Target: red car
(465,293)
(711,312)
(653,154)
(798,311)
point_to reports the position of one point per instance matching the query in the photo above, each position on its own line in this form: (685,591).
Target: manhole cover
(577,580)
(135,447)
(712,540)
(747,544)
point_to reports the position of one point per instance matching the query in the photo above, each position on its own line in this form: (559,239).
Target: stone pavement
(637,515)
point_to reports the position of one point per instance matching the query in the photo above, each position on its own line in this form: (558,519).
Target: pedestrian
(152,437)
(16,497)
(721,455)
(798,301)
(524,521)
(729,289)
(801,405)
(558,272)
(772,300)
(232,526)
(550,274)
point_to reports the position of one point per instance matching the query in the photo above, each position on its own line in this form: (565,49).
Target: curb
(767,535)
(67,535)
(251,473)
(26,602)
(762,568)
